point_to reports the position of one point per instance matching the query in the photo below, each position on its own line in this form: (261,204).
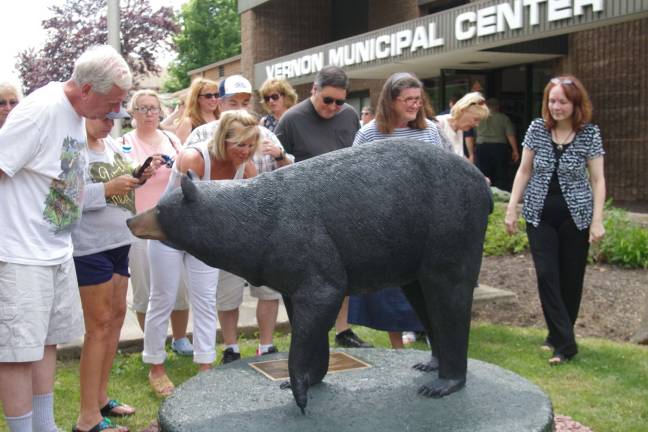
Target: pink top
(148,195)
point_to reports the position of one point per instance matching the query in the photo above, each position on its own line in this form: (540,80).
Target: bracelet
(281,156)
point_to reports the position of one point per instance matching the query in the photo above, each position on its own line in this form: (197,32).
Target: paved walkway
(131,334)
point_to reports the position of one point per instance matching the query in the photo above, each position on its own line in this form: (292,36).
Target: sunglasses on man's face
(275,97)
(558,81)
(328,100)
(10,102)
(209,95)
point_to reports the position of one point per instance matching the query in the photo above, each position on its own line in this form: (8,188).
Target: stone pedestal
(238,398)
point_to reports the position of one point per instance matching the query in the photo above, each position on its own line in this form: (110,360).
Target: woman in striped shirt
(561,177)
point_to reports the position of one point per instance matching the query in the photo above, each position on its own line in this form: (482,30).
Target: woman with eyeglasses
(201,106)
(148,140)
(277,95)
(464,115)
(101,245)
(226,156)
(400,113)
(10,95)
(562,182)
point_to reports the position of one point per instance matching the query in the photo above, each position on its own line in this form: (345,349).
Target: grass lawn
(605,387)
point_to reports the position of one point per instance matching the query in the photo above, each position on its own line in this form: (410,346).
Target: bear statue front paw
(441,387)
(427,366)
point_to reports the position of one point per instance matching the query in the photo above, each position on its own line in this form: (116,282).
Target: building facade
(508,49)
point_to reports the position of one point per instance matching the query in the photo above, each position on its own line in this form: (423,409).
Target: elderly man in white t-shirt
(235,92)
(42,163)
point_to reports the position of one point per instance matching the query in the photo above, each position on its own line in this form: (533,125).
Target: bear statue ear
(189,189)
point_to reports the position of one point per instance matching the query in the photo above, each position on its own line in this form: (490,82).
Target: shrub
(498,242)
(625,243)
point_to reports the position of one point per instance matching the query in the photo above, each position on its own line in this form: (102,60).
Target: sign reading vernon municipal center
(487,24)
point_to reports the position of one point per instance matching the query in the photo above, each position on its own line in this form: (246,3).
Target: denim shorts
(98,268)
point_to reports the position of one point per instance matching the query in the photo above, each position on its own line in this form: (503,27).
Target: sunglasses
(168,160)
(481,102)
(209,95)
(328,100)
(10,102)
(365,113)
(275,97)
(558,81)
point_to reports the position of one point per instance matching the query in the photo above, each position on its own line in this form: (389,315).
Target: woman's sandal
(162,385)
(114,408)
(558,359)
(104,425)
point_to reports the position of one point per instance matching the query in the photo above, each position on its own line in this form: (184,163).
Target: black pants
(559,251)
(493,160)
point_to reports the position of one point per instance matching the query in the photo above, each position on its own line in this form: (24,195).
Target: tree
(76,25)
(211,31)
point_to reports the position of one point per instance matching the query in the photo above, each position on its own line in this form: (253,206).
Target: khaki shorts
(229,295)
(39,306)
(138,263)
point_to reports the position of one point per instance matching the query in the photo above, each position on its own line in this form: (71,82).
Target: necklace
(560,143)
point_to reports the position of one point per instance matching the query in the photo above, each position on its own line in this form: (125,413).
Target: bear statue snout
(145,225)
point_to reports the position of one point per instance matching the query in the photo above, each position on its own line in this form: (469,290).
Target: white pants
(166,268)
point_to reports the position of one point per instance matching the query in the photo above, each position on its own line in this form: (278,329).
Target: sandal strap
(104,424)
(106,410)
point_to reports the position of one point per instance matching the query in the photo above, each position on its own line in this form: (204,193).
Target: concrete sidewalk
(131,334)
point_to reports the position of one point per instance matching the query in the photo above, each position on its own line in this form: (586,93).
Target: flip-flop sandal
(558,359)
(110,409)
(104,425)
(162,385)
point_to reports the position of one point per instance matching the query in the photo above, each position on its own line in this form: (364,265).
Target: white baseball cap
(234,84)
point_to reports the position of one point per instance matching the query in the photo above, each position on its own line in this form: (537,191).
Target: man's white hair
(102,66)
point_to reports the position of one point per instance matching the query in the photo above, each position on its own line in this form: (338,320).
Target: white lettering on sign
(463,32)
(511,17)
(305,65)
(559,10)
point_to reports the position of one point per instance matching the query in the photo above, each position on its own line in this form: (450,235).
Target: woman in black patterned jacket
(561,177)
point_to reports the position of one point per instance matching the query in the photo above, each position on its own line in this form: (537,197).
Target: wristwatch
(281,156)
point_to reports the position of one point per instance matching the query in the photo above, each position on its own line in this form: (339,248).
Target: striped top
(571,170)
(370,132)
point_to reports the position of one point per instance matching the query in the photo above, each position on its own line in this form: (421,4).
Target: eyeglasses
(365,113)
(328,100)
(274,97)
(558,81)
(10,102)
(411,100)
(209,95)
(146,110)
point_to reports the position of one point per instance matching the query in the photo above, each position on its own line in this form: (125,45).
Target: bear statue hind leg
(414,295)
(441,387)
(315,307)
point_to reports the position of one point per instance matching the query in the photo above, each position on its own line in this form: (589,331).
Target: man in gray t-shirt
(318,125)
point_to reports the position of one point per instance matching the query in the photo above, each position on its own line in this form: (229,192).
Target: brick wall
(612,62)
(383,13)
(281,27)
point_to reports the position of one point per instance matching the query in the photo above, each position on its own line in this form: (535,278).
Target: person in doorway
(320,124)
(366,115)
(562,181)
(465,114)
(496,146)
(42,164)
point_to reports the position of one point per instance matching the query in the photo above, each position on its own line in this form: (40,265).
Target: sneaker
(273,349)
(348,339)
(182,347)
(229,356)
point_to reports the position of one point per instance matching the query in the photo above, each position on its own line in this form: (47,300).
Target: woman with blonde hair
(228,155)
(465,115)
(147,140)
(277,95)
(201,106)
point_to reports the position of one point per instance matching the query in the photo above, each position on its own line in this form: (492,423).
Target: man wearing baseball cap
(235,92)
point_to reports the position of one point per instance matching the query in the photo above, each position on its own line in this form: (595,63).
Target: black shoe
(348,339)
(229,356)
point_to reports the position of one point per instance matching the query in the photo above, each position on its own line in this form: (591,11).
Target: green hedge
(625,242)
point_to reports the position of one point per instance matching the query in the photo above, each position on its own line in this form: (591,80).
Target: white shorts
(230,292)
(39,306)
(138,263)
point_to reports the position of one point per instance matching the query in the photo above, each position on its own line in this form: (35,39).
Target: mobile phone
(145,165)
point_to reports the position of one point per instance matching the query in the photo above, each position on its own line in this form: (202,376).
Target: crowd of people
(67,188)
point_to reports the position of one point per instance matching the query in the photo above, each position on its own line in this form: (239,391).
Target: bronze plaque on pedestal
(277,370)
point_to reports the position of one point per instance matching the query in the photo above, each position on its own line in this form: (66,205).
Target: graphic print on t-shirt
(63,202)
(103,172)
